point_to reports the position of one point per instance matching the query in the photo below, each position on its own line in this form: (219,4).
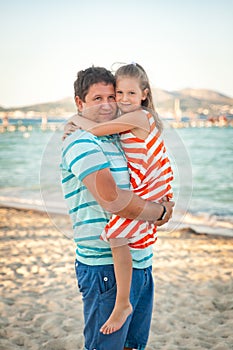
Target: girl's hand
(69,128)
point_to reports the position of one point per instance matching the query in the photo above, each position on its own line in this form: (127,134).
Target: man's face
(99,104)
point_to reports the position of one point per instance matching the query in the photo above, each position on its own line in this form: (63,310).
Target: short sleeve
(82,154)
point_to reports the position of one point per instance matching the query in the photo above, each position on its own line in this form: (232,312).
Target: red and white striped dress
(150,177)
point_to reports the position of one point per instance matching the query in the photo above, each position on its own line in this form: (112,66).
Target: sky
(180,43)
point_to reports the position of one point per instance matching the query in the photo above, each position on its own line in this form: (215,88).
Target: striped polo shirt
(83,154)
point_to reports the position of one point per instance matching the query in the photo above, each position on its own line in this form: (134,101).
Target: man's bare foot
(116,319)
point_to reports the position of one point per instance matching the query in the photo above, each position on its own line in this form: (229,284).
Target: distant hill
(192,101)
(205,94)
(60,107)
(2,109)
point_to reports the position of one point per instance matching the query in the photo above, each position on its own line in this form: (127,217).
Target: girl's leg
(123,272)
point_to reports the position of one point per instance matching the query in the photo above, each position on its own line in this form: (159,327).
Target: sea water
(201,159)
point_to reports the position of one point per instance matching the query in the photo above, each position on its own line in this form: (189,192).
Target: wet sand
(42,309)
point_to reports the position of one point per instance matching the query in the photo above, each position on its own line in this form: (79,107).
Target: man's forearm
(124,203)
(131,206)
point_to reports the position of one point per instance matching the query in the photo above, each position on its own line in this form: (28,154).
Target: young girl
(150,177)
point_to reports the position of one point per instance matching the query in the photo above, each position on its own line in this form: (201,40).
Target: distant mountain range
(190,101)
(63,106)
(193,101)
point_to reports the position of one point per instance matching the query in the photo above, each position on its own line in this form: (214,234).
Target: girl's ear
(79,103)
(144,94)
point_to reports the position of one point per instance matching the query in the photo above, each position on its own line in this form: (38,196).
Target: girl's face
(129,95)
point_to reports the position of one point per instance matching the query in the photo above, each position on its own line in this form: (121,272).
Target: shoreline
(42,309)
(192,222)
(55,214)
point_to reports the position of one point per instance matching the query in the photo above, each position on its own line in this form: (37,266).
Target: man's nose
(106,105)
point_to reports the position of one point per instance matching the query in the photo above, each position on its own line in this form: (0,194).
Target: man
(96,183)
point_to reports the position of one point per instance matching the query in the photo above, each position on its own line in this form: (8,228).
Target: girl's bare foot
(116,319)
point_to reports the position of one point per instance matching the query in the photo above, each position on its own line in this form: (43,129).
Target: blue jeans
(97,285)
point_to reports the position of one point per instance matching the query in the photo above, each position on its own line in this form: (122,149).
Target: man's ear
(79,103)
(145,93)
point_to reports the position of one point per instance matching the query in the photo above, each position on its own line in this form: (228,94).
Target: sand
(41,307)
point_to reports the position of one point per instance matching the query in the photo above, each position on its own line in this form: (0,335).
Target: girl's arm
(77,122)
(128,121)
(83,123)
(133,121)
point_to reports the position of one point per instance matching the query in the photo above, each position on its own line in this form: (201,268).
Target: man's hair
(90,76)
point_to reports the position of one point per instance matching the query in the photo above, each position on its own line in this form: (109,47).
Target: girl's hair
(134,70)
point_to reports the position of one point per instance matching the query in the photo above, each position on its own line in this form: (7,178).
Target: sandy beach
(42,309)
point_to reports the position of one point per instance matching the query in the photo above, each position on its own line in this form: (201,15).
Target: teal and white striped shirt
(83,154)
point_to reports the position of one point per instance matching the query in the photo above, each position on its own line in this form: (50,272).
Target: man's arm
(124,203)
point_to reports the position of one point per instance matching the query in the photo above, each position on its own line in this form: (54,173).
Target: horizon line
(153,88)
